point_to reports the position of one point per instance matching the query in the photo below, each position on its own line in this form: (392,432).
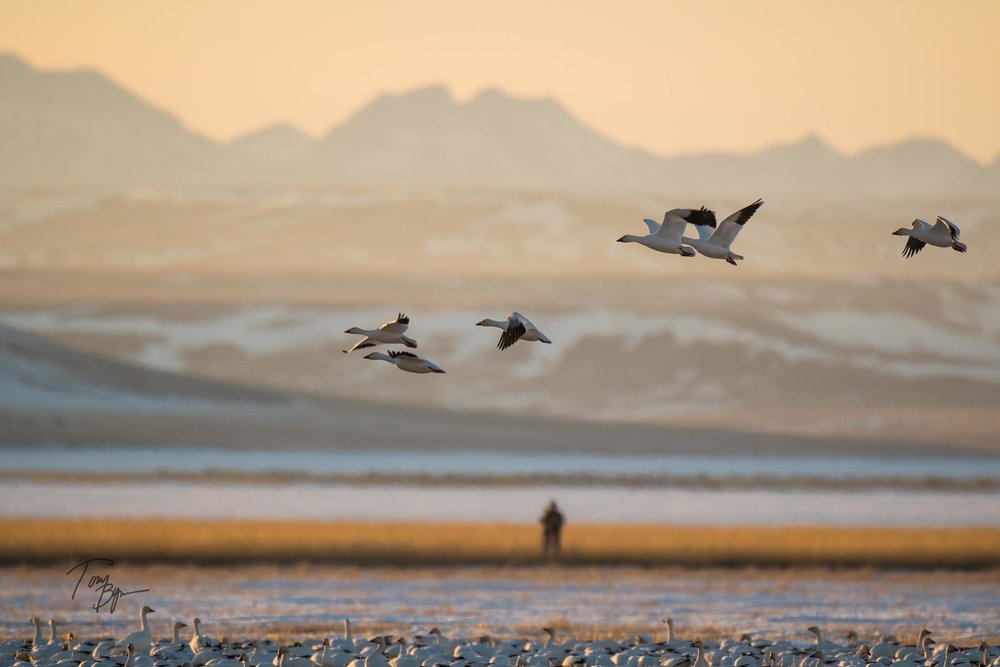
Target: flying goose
(667,237)
(406,361)
(517,327)
(943,234)
(716,244)
(390,333)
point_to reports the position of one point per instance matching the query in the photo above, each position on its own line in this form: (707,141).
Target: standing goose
(284,660)
(406,361)
(668,237)
(389,333)
(716,244)
(142,638)
(943,234)
(517,327)
(198,640)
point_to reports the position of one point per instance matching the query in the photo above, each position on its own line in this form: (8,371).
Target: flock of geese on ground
(714,241)
(139,649)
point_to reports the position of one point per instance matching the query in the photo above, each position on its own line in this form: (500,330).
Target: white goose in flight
(390,333)
(517,327)
(716,244)
(406,361)
(943,234)
(667,237)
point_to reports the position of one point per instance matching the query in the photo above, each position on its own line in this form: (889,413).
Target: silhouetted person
(552,522)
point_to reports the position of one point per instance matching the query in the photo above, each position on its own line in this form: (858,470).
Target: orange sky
(671,77)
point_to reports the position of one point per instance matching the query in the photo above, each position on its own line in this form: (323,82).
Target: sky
(668,77)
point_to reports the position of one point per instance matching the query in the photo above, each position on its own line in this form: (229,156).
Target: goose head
(354,330)
(147,609)
(628,238)
(902,231)
(483,323)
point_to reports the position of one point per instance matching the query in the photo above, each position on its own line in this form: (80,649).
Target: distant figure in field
(552,522)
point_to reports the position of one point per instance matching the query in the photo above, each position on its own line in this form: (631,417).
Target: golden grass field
(38,541)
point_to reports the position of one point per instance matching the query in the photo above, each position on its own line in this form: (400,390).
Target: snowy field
(402,502)
(312,601)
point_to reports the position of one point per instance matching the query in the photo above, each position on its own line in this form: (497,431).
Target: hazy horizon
(684,66)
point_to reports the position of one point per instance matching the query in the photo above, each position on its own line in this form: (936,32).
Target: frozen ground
(582,504)
(820,359)
(914,469)
(313,601)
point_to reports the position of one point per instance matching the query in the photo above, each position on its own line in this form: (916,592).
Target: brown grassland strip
(54,541)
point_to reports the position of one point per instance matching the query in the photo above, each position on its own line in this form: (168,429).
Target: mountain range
(79,128)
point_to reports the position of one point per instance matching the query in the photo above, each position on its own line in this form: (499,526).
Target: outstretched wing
(920,224)
(676,221)
(401,353)
(952,227)
(517,326)
(912,247)
(653,225)
(398,325)
(673,225)
(362,344)
(732,225)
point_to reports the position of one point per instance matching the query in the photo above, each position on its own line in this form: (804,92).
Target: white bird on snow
(667,237)
(943,234)
(406,361)
(390,333)
(716,244)
(142,638)
(517,327)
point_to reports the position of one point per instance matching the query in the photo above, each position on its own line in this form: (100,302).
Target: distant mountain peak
(811,144)
(926,149)
(275,145)
(11,62)
(431,95)
(494,99)
(283,130)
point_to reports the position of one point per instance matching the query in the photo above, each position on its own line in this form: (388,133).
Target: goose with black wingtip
(714,242)
(388,333)
(943,233)
(406,361)
(668,236)
(516,327)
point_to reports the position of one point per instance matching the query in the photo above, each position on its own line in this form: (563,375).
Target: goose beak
(898,232)
(621,240)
